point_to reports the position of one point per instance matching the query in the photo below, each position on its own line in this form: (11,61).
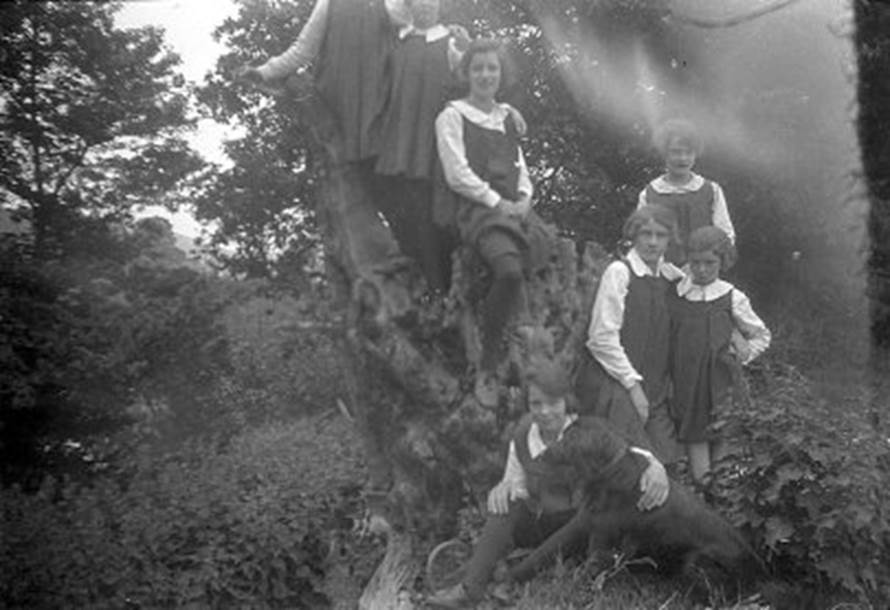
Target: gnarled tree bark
(427,438)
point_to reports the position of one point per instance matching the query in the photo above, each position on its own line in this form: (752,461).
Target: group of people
(666,334)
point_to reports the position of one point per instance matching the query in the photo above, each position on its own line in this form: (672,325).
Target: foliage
(810,486)
(91,114)
(245,525)
(263,203)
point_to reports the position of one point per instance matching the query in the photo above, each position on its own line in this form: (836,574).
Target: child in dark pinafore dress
(704,315)
(420,71)
(350,42)
(696,201)
(624,377)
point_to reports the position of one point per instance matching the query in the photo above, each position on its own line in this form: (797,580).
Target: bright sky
(188,25)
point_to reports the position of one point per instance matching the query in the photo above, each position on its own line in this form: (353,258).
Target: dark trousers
(506,299)
(518,528)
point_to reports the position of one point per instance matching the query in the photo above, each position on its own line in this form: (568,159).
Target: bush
(810,481)
(244,526)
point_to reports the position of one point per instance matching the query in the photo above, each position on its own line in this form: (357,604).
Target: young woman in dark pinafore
(533,499)
(705,312)
(624,376)
(485,197)
(695,201)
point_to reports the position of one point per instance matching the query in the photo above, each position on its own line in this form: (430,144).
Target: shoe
(453,597)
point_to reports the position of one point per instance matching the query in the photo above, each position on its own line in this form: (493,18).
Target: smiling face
(484,75)
(651,242)
(679,159)
(424,13)
(704,266)
(548,412)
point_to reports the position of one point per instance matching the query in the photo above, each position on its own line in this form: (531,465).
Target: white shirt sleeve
(720,216)
(453,156)
(641,200)
(750,325)
(454,54)
(604,335)
(304,49)
(525,182)
(514,473)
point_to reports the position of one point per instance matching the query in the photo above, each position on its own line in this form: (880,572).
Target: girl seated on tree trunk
(532,501)
(352,40)
(625,378)
(695,201)
(486,196)
(705,350)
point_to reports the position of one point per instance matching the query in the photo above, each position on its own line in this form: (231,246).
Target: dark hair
(489,45)
(712,239)
(548,376)
(654,212)
(682,129)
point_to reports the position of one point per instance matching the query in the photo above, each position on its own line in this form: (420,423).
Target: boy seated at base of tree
(534,500)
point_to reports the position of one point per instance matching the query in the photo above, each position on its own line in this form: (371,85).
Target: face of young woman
(652,242)
(484,73)
(424,13)
(704,266)
(549,413)
(679,159)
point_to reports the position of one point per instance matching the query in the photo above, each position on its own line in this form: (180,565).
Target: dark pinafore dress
(359,36)
(419,77)
(693,210)
(494,157)
(700,363)
(645,336)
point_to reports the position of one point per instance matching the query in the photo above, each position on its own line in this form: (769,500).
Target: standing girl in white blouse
(712,325)
(696,201)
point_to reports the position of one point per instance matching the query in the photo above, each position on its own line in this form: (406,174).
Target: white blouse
(453,154)
(604,334)
(747,323)
(720,216)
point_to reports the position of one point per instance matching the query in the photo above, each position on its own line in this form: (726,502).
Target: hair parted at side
(682,129)
(654,212)
(713,239)
(489,45)
(549,377)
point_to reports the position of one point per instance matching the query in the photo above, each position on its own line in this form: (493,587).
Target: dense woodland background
(175,431)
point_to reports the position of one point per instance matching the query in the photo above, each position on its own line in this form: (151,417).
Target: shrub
(810,481)
(244,526)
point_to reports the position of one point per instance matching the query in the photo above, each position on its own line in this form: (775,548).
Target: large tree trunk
(427,438)
(872,39)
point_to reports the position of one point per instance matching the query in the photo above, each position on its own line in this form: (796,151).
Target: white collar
(497,115)
(536,444)
(691,291)
(661,184)
(665,269)
(437,32)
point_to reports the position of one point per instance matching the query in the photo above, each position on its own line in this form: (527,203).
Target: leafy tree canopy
(91,115)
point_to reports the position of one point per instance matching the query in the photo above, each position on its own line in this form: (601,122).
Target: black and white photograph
(445,304)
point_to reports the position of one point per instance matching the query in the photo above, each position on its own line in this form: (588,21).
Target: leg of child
(506,297)
(699,459)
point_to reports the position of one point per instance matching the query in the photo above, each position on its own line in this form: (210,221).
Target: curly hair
(712,239)
(488,45)
(683,130)
(657,213)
